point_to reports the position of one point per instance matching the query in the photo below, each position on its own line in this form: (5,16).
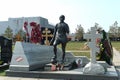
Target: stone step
(76,74)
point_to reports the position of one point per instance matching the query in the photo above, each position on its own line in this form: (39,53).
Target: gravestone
(6,49)
(93,67)
(27,56)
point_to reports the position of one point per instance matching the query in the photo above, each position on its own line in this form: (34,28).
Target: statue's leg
(54,58)
(55,51)
(57,41)
(63,50)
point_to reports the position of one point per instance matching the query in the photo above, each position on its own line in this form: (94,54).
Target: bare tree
(114,30)
(79,32)
(97,27)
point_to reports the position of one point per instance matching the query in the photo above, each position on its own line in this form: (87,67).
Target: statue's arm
(55,30)
(67,29)
(54,35)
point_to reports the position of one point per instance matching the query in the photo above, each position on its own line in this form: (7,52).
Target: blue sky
(84,12)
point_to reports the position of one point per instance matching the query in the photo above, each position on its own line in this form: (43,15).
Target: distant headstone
(27,56)
(93,67)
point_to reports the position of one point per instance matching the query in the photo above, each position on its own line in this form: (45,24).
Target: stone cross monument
(92,44)
(93,67)
(46,31)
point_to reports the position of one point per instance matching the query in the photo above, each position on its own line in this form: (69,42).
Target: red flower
(25,23)
(33,24)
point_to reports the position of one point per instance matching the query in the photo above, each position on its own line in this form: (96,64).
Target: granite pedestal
(76,74)
(27,56)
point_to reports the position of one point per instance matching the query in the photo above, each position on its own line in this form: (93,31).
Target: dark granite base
(75,74)
(4,66)
(66,67)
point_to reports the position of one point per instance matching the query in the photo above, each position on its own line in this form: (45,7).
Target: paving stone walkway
(116,60)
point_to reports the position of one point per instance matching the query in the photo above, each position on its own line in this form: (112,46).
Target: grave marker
(93,67)
(6,49)
(27,56)
(92,45)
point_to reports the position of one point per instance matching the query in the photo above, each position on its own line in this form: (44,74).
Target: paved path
(116,58)
(116,61)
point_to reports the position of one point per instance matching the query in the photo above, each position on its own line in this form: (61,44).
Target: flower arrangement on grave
(106,52)
(35,33)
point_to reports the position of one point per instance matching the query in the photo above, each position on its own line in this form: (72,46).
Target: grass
(2,73)
(75,46)
(116,45)
(82,54)
(78,46)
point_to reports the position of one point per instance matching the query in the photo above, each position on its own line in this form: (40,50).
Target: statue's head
(62,18)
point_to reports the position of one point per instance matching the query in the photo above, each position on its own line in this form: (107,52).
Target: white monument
(93,67)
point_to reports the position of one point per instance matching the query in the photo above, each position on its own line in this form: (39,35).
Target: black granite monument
(6,49)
